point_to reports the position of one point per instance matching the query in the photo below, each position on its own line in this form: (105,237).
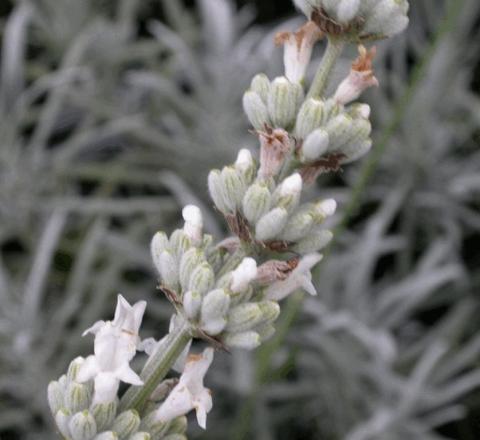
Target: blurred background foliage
(111,114)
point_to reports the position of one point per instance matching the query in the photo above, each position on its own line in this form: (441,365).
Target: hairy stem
(320,82)
(156,369)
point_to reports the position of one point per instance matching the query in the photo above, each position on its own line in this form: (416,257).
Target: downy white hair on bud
(284,101)
(193,223)
(292,185)
(244,160)
(327,207)
(256,110)
(243,275)
(315,145)
(347,9)
(190,392)
(158,244)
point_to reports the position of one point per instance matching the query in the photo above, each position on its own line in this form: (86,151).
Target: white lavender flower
(115,345)
(300,278)
(190,392)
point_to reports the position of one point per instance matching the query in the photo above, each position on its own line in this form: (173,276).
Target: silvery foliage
(77,133)
(366,361)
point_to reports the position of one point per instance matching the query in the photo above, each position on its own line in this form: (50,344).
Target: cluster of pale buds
(236,307)
(357,19)
(227,293)
(320,134)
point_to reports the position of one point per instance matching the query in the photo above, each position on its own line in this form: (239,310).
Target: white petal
(95,328)
(179,364)
(195,369)
(127,375)
(121,310)
(203,405)
(138,311)
(178,403)
(147,345)
(307,284)
(307,262)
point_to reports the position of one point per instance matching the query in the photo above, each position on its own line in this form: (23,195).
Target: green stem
(156,369)
(330,57)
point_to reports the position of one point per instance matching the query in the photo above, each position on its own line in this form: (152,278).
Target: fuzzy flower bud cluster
(217,304)
(227,293)
(357,19)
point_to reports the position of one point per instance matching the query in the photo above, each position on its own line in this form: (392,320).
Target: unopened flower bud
(55,396)
(178,425)
(247,340)
(387,18)
(141,436)
(82,426)
(256,202)
(325,208)
(247,315)
(311,115)
(156,428)
(193,223)
(245,165)
(313,242)
(271,224)
(315,145)
(214,309)
(261,84)
(158,244)
(189,261)
(106,435)
(202,279)
(175,437)
(297,226)
(74,368)
(288,194)
(192,301)
(243,275)
(180,242)
(62,417)
(359,132)
(104,414)
(77,397)
(169,269)
(283,102)
(256,110)
(215,188)
(126,424)
(338,130)
(359,110)
(355,150)
(233,187)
